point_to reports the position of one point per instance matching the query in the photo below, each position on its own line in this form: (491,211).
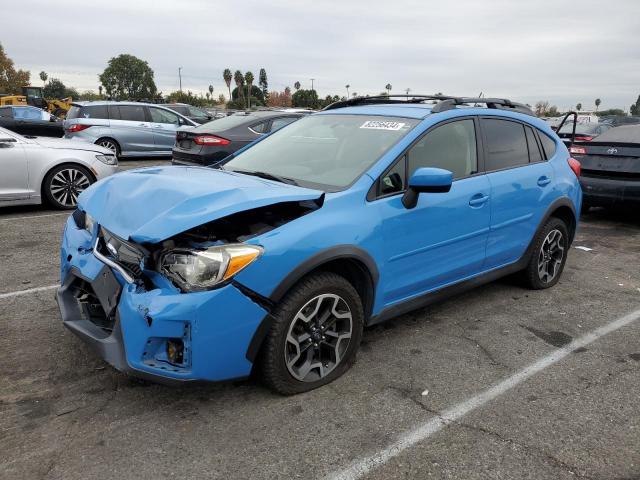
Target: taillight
(210,140)
(584,139)
(575,166)
(575,150)
(77,128)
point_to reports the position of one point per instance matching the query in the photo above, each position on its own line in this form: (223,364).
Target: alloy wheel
(318,337)
(551,256)
(67,184)
(109,144)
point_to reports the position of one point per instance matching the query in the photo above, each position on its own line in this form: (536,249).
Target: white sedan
(55,170)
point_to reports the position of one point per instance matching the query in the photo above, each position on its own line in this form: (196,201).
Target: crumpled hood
(70,144)
(153,204)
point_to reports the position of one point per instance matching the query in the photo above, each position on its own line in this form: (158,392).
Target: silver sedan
(35,170)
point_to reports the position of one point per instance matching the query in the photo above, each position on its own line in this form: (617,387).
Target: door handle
(544,181)
(143,125)
(478,200)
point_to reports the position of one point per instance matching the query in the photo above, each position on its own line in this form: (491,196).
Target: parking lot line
(34,216)
(422,432)
(25,292)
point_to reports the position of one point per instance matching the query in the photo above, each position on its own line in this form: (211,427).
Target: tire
(64,183)
(549,255)
(110,144)
(324,293)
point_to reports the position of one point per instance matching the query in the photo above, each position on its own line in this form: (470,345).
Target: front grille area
(90,307)
(126,254)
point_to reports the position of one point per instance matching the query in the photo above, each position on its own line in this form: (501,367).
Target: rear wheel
(546,264)
(315,335)
(63,185)
(109,144)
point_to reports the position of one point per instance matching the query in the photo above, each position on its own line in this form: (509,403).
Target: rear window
(74,112)
(506,144)
(88,111)
(622,134)
(179,108)
(226,123)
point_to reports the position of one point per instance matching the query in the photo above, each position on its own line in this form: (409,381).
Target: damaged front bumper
(154,332)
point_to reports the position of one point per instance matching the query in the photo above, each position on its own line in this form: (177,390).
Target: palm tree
(100,90)
(347,87)
(354,94)
(43,77)
(239,79)
(388,88)
(296,86)
(249,79)
(597,103)
(579,107)
(227,79)
(407,90)
(210,89)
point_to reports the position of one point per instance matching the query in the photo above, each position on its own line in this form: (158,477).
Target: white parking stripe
(34,216)
(422,432)
(26,292)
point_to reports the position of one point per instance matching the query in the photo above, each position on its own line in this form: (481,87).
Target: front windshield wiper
(268,176)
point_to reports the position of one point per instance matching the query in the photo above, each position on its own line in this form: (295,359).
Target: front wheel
(546,264)
(315,335)
(63,185)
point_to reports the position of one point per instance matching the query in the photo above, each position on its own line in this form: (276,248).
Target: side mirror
(426,180)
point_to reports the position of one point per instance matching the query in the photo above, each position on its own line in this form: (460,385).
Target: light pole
(180,77)
(312,83)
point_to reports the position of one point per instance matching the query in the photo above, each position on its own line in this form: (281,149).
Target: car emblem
(113,250)
(612,151)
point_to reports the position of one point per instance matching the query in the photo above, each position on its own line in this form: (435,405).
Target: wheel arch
(108,137)
(352,263)
(69,163)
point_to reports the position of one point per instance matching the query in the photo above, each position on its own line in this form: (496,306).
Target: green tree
(128,78)
(635,108)
(226,75)
(388,88)
(305,99)
(43,77)
(597,103)
(241,94)
(296,86)
(618,112)
(579,107)
(248,77)
(239,79)
(100,91)
(11,80)
(55,89)
(264,86)
(347,87)
(211,90)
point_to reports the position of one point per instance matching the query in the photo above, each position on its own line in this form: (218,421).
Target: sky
(557,50)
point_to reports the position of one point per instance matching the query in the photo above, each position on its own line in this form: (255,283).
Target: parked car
(618,120)
(30,121)
(35,170)
(194,113)
(345,218)
(611,167)
(585,132)
(128,129)
(213,141)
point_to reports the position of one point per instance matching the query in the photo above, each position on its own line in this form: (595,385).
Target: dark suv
(213,141)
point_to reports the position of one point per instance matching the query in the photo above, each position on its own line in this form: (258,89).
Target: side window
(94,111)
(28,113)
(451,146)
(278,123)
(506,144)
(114,112)
(548,145)
(162,116)
(394,180)
(534,149)
(5,112)
(132,113)
(259,127)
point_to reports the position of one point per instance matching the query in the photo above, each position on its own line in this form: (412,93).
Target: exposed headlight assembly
(108,159)
(196,270)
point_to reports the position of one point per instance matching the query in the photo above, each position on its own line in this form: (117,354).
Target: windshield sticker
(378,125)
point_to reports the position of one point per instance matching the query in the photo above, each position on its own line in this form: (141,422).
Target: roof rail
(444,102)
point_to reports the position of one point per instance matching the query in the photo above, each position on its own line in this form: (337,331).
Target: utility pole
(180,76)
(312,83)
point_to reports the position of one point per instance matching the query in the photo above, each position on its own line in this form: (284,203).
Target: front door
(163,125)
(443,239)
(14,180)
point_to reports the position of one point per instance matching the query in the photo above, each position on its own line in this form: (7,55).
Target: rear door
(131,128)
(163,125)
(521,187)
(14,180)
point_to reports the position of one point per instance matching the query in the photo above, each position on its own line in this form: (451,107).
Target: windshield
(325,151)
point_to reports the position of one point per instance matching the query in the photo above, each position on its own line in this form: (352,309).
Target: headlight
(194,270)
(89,222)
(108,159)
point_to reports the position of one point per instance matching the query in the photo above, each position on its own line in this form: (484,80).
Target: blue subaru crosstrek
(276,261)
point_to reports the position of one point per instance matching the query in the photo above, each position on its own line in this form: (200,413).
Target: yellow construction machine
(33,96)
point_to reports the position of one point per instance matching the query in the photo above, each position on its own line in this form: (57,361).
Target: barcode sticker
(379,125)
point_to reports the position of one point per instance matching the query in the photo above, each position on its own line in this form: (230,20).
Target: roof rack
(443,102)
